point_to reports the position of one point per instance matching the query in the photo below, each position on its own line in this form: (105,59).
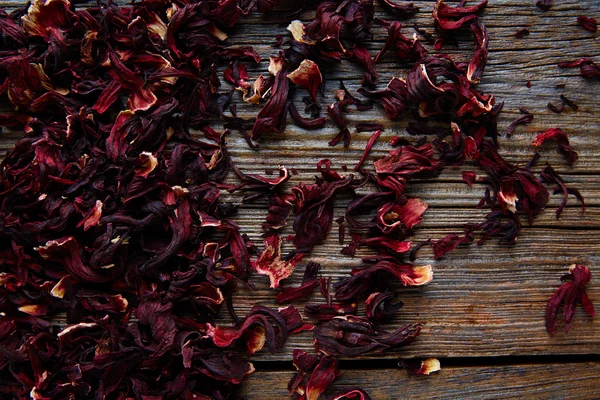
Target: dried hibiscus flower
(308,285)
(363,279)
(569,294)
(379,305)
(352,336)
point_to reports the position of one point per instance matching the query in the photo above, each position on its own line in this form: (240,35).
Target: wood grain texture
(484,301)
(553,381)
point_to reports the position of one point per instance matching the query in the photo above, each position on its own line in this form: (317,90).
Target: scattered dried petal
(569,294)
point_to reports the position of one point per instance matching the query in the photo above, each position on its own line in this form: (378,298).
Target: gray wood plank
(553,381)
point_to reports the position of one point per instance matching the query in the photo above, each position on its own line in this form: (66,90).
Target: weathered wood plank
(553,381)
(483,301)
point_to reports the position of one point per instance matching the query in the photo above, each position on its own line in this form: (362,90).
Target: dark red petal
(479,60)
(271,264)
(424,367)
(587,23)
(308,76)
(469,177)
(324,374)
(562,141)
(368,147)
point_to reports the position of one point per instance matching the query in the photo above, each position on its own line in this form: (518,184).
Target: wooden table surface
(483,314)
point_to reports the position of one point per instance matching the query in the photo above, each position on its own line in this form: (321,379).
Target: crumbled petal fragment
(379,305)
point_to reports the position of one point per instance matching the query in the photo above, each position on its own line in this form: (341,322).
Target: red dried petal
(271,118)
(326,312)
(479,60)
(368,147)
(562,140)
(587,23)
(406,49)
(393,216)
(270,263)
(569,293)
(469,177)
(449,18)
(325,372)
(424,367)
(261,326)
(362,279)
(588,68)
(308,76)
(402,9)
(379,305)
(352,336)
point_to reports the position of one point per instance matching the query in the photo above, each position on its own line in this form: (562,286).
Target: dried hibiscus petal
(261,326)
(322,376)
(569,294)
(479,59)
(379,305)
(550,176)
(544,4)
(406,49)
(271,118)
(587,23)
(351,336)
(402,8)
(315,123)
(271,264)
(523,119)
(447,244)
(363,279)
(562,140)
(393,99)
(368,147)
(278,212)
(424,367)
(326,312)
(469,177)
(308,76)
(309,284)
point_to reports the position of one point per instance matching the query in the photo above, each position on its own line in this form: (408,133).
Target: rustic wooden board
(484,301)
(536,381)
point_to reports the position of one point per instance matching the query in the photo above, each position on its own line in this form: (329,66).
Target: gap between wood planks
(446,362)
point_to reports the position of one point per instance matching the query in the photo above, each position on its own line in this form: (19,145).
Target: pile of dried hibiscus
(111,214)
